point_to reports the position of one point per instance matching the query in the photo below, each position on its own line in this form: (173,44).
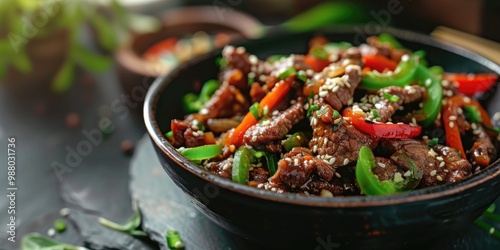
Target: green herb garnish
(131,226)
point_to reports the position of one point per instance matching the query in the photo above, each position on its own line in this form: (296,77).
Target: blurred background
(70,67)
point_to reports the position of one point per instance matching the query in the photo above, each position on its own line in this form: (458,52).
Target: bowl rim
(449,189)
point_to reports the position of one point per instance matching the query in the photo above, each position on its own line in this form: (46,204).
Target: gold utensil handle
(482,46)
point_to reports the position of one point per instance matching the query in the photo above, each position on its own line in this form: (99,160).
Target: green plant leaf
(21,62)
(323,14)
(64,77)
(105,32)
(34,241)
(91,61)
(3,69)
(130,226)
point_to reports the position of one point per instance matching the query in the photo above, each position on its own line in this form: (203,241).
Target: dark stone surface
(98,237)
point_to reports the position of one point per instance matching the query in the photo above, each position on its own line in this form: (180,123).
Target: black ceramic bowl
(297,221)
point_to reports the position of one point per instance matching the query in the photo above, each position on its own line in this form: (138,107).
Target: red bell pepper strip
(158,48)
(470,84)
(379,63)
(382,130)
(270,101)
(450,109)
(315,63)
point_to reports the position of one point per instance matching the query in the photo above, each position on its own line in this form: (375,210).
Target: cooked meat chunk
(297,166)
(178,128)
(237,58)
(343,183)
(421,155)
(483,152)
(338,91)
(335,140)
(384,168)
(455,166)
(227,101)
(259,175)
(386,49)
(275,128)
(221,168)
(386,108)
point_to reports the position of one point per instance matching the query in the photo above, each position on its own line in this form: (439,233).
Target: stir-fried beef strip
(384,107)
(385,168)
(335,140)
(483,151)
(343,183)
(455,166)
(387,50)
(221,168)
(274,129)
(297,166)
(439,164)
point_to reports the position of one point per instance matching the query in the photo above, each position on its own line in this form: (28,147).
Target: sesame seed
(405,58)
(432,153)
(496,116)
(476,131)
(232,148)
(451,124)
(289,160)
(296,162)
(337,174)
(398,178)
(439,178)
(445,83)
(428,82)
(332,161)
(323,93)
(241,50)
(325,141)
(337,121)
(473,126)
(226,167)
(439,158)
(346,161)
(453,118)
(441,164)
(326,193)
(382,165)
(201,133)
(64,212)
(51,232)
(433,172)
(315,148)
(195,133)
(467,99)
(253,59)
(254,138)
(492,230)
(407,174)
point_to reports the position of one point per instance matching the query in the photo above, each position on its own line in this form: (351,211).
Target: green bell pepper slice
(241,165)
(433,103)
(371,185)
(296,140)
(199,153)
(402,76)
(389,39)
(194,103)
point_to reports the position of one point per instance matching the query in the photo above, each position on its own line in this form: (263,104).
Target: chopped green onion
(287,73)
(169,134)
(374,113)
(257,111)
(197,124)
(301,75)
(335,113)
(311,109)
(319,52)
(208,89)
(494,129)
(275,58)
(321,111)
(251,80)
(296,140)
(221,62)
(391,98)
(194,103)
(472,114)
(433,142)
(486,227)
(202,152)
(59,225)
(174,240)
